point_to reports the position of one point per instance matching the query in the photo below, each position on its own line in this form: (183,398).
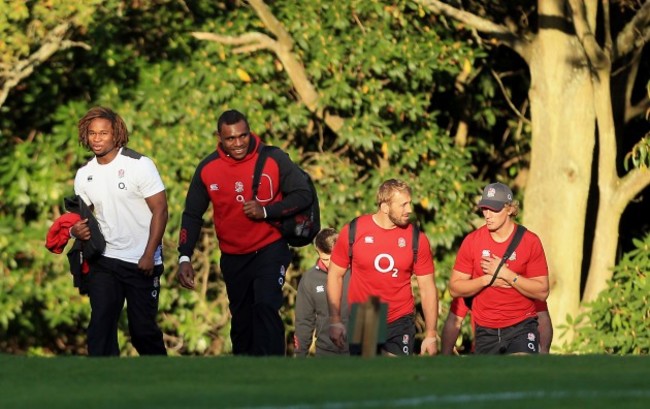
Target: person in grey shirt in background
(312,314)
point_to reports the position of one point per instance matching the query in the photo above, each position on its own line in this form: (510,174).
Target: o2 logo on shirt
(388,261)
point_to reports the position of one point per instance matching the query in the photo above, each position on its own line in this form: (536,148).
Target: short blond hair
(514,205)
(388,188)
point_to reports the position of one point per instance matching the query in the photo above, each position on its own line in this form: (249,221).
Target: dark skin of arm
(253,210)
(158,206)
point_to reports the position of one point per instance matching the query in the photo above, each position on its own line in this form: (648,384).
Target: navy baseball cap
(495,196)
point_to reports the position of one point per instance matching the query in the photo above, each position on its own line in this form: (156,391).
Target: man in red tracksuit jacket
(254,255)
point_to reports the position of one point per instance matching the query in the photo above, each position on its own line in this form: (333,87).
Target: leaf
(243,75)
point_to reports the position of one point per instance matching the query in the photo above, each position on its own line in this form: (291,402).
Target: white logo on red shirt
(485,253)
(264,196)
(239,187)
(401,242)
(369,239)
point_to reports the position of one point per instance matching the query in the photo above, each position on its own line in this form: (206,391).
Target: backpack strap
(351,233)
(519,233)
(259,165)
(416,242)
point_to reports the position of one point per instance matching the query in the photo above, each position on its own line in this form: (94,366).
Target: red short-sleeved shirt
(459,307)
(382,264)
(501,307)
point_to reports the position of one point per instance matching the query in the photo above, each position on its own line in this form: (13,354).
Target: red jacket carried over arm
(59,233)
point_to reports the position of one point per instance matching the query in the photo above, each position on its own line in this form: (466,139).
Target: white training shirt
(117,191)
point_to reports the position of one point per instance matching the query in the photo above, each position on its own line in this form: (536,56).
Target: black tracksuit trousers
(254,284)
(110,283)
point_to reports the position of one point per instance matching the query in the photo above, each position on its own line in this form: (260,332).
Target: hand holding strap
(519,233)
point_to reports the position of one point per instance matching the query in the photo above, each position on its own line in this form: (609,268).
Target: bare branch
(281,47)
(462,80)
(632,111)
(499,32)
(249,41)
(607,23)
(505,95)
(184,5)
(53,42)
(631,185)
(595,54)
(70,44)
(248,49)
(271,23)
(635,34)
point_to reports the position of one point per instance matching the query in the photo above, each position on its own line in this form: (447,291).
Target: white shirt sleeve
(149,180)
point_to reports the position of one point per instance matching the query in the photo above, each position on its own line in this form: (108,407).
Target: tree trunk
(615,193)
(569,94)
(563,140)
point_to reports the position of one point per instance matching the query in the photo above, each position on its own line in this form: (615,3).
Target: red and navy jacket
(227,183)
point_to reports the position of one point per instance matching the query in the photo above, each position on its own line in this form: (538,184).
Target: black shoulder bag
(298,229)
(519,233)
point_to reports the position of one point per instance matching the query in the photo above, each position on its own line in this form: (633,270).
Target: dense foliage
(617,322)
(376,66)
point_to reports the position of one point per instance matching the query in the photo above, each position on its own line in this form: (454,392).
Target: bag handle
(259,165)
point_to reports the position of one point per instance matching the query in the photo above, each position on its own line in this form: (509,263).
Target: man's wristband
(183,259)
(514,280)
(72,236)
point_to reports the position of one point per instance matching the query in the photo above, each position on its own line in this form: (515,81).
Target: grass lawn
(474,382)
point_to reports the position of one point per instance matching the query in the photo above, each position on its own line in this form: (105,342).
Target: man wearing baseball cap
(503,305)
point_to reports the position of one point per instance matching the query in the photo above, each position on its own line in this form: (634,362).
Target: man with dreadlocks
(124,190)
